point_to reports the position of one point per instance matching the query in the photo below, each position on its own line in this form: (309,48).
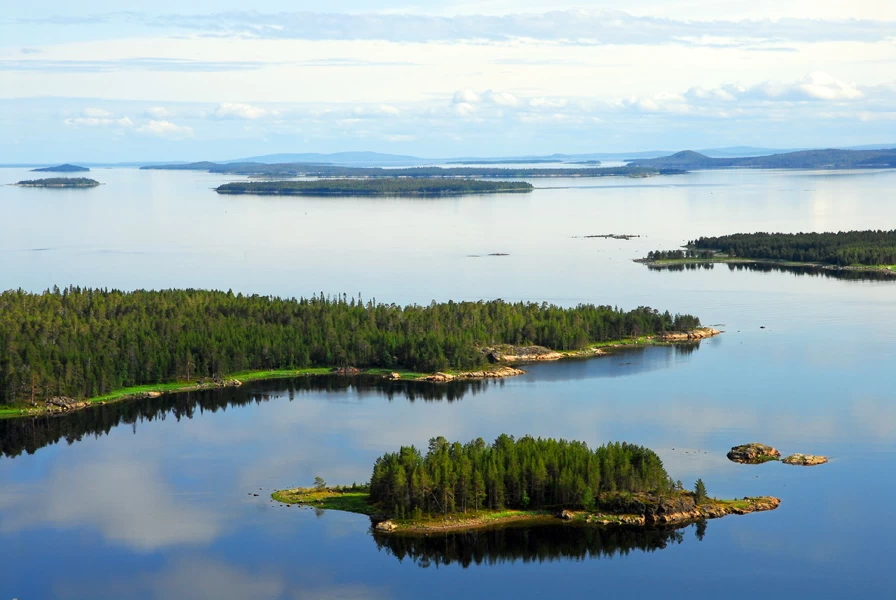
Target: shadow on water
(799,271)
(30,434)
(542,543)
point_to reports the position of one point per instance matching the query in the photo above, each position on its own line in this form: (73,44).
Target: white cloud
(123,122)
(500,98)
(464,109)
(158,112)
(165,129)
(97,113)
(466,97)
(400,138)
(230,110)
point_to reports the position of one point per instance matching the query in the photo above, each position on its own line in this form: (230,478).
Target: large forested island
(60,182)
(104,344)
(804,159)
(461,486)
(375,187)
(872,249)
(319,170)
(66,168)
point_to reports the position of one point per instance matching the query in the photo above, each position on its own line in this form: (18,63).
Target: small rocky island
(66,168)
(755,454)
(60,182)
(457,487)
(418,186)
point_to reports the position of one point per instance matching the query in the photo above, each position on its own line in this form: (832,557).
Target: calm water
(155,499)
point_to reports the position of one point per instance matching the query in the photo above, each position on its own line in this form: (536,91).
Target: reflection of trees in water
(799,271)
(527,544)
(30,434)
(686,348)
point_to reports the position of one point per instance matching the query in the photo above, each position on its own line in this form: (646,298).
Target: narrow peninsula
(66,168)
(113,345)
(375,187)
(457,487)
(60,182)
(871,250)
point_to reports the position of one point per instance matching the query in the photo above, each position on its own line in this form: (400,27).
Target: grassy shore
(356,500)
(235,379)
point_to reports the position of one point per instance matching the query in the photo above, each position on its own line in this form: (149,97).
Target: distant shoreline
(669,262)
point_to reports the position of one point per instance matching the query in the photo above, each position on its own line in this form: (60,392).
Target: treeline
(679,254)
(374,187)
(527,473)
(842,248)
(84,342)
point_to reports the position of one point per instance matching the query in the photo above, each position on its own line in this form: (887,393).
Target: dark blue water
(154,499)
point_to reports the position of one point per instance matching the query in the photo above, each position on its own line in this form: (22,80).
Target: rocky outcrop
(753,454)
(64,404)
(565,515)
(684,336)
(494,373)
(682,509)
(385,527)
(805,460)
(346,371)
(393,376)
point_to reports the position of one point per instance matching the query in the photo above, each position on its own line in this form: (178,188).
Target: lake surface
(155,499)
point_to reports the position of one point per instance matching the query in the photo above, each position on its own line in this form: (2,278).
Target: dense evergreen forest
(319,170)
(842,248)
(374,187)
(60,182)
(87,342)
(526,473)
(679,254)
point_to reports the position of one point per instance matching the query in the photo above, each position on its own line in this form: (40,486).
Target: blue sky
(214,80)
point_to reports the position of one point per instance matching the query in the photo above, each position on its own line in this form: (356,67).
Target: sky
(213,80)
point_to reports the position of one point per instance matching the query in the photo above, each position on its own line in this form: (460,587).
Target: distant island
(456,487)
(804,159)
(375,187)
(66,168)
(60,182)
(114,345)
(326,170)
(850,250)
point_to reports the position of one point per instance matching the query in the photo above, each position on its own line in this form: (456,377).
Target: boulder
(346,371)
(565,515)
(805,460)
(393,376)
(753,453)
(385,527)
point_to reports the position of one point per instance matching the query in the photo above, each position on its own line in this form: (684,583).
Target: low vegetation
(375,187)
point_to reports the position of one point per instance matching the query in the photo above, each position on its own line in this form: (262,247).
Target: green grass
(328,499)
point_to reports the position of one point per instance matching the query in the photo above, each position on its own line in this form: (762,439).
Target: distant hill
(66,168)
(803,159)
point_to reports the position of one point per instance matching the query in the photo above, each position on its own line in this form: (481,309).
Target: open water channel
(156,499)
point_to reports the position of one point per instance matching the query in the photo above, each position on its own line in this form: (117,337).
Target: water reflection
(30,434)
(770,268)
(543,543)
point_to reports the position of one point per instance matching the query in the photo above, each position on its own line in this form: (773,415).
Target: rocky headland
(753,453)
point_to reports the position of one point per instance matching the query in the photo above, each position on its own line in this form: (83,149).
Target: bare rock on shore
(385,527)
(565,515)
(494,373)
(753,453)
(346,371)
(805,460)
(393,376)
(684,336)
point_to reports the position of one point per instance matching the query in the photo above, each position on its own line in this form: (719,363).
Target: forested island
(60,182)
(375,187)
(804,159)
(321,170)
(871,249)
(458,486)
(66,168)
(102,344)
